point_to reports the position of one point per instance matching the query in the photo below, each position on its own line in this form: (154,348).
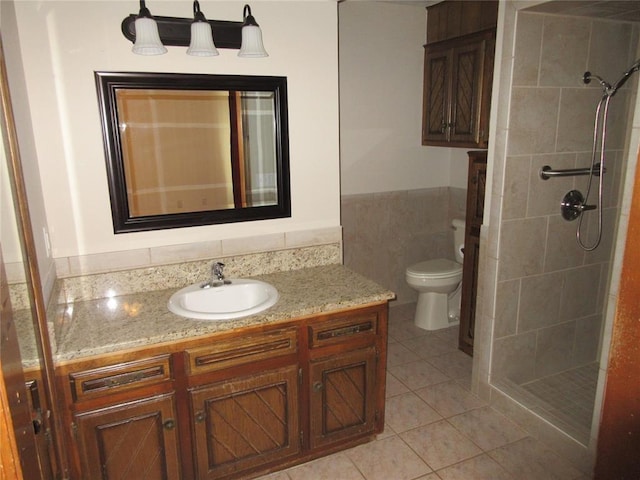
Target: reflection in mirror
(185,150)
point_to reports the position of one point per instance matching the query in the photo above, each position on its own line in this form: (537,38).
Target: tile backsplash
(120,273)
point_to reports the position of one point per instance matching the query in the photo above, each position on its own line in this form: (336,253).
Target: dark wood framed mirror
(184,150)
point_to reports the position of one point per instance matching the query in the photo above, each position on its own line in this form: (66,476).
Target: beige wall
(381,70)
(63,43)
(27,144)
(398,197)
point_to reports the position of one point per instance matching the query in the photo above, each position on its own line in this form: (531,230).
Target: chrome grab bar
(547,172)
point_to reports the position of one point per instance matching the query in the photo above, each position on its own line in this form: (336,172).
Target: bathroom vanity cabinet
(458,73)
(234,404)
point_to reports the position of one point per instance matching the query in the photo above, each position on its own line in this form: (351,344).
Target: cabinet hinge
(300,376)
(301,437)
(74,430)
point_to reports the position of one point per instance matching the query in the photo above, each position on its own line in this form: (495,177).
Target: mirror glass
(187,149)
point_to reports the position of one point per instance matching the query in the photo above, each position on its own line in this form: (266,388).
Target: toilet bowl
(438,283)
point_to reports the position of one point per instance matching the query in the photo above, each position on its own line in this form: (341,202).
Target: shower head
(588,76)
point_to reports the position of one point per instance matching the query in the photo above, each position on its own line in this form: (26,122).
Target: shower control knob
(573,205)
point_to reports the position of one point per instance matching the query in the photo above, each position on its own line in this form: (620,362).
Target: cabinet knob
(317,386)
(169,424)
(199,417)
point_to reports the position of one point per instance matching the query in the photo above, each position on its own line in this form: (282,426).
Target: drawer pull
(317,386)
(119,377)
(169,424)
(199,417)
(122,379)
(345,331)
(243,352)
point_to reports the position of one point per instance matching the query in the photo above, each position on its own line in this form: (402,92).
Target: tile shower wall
(383,233)
(550,293)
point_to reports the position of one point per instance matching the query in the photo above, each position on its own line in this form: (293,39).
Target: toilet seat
(440,268)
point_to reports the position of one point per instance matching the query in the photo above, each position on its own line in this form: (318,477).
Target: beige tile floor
(436,429)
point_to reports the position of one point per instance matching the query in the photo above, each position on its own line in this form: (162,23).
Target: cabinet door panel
(474,214)
(469,293)
(133,440)
(247,422)
(435,110)
(342,396)
(468,63)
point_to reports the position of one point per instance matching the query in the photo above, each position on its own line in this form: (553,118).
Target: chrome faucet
(217,271)
(217,276)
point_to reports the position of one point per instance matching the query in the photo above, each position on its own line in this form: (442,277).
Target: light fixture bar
(177,31)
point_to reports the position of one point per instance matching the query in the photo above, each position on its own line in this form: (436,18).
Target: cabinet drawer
(120,377)
(342,329)
(239,351)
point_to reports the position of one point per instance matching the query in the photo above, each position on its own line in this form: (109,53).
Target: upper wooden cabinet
(454,19)
(458,74)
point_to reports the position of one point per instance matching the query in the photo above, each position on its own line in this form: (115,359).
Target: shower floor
(565,399)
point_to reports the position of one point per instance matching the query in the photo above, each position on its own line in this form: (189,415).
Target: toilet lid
(438,268)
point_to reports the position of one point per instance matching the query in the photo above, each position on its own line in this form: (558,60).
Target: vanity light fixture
(252,46)
(147,41)
(151,34)
(201,37)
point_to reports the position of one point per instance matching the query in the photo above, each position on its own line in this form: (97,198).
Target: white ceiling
(628,10)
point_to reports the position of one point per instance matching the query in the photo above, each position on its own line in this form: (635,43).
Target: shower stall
(545,298)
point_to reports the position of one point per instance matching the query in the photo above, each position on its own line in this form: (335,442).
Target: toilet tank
(458,238)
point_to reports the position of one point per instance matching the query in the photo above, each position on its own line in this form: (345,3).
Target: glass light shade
(147,38)
(252,42)
(201,40)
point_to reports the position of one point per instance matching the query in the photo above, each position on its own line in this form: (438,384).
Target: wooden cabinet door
(474,216)
(342,396)
(476,186)
(467,63)
(131,440)
(245,422)
(469,293)
(437,94)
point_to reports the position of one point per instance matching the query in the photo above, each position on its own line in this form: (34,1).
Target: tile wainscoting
(386,232)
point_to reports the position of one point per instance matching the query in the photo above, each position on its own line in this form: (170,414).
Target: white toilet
(438,283)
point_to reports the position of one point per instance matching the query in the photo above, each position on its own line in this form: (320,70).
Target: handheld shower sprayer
(625,76)
(574,204)
(610,90)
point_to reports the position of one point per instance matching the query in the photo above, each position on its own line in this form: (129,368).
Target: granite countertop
(94,327)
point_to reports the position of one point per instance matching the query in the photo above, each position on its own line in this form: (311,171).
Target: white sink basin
(240,298)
